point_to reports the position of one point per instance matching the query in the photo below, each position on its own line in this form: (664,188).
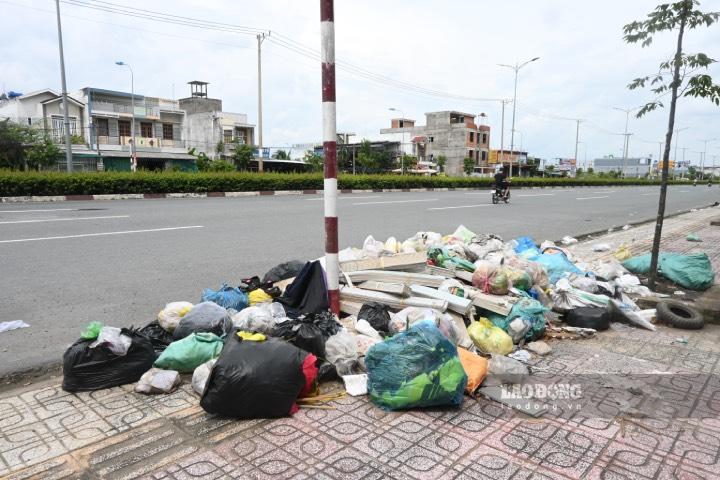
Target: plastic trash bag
(283,271)
(159,337)
(568,240)
(505,370)
(565,297)
(376,314)
(204,317)
(524,243)
(490,278)
(601,247)
(557,265)
(309,332)
(86,369)
(341,351)
(156,381)
(518,278)
(200,376)
(488,338)
(622,253)
(464,234)
(475,367)
(307,293)
(364,328)
(187,354)
(443,258)
(170,316)
(113,339)
(392,245)
(587,284)
(256,379)
(532,312)
(693,237)
(258,296)
(373,248)
(226,297)
(416,368)
(255,319)
(538,274)
(401,320)
(692,271)
(92,331)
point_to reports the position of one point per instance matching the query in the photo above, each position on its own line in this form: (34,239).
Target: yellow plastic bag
(251,337)
(258,296)
(489,338)
(623,253)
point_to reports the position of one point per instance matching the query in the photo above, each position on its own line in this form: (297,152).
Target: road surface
(66,264)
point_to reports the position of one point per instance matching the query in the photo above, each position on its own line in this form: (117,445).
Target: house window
(240,136)
(29,121)
(471,154)
(227,137)
(167,131)
(431,139)
(58,126)
(102,128)
(483,156)
(123,128)
(472,136)
(401,124)
(484,138)
(146,130)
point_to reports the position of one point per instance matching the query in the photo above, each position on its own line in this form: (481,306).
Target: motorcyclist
(501,182)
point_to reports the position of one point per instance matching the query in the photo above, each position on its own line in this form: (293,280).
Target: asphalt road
(118,262)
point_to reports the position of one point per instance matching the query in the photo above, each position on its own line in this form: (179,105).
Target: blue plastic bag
(227,297)
(416,368)
(532,312)
(524,243)
(557,265)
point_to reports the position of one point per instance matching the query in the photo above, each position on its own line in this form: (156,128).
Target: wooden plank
(394,288)
(351,308)
(396,262)
(463,306)
(495,303)
(450,273)
(355,294)
(405,278)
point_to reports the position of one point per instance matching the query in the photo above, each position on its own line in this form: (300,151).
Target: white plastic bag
(200,376)
(116,342)
(254,319)
(567,240)
(341,351)
(601,247)
(372,248)
(392,245)
(170,316)
(587,284)
(504,370)
(364,328)
(157,380)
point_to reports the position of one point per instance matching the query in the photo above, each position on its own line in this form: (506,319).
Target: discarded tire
(588,317)
(679,315)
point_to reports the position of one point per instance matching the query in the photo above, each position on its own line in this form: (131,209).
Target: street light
(704,155)
(133,152)
(515,67)
(402,141)
(626,138)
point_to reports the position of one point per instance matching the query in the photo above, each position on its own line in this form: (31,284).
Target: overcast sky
(452,46)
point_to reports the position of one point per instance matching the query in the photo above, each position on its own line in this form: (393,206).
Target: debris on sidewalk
(693,237)
(12,325)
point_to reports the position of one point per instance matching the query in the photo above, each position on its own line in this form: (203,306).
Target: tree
(315,161)
(468,165)
(408,162)
(383,160)
(692,172)
(42,153)
(220,148)
(242,155)
(579,172)
(550,168)
(22,145)
(281,155)
(591,171)
(679,16)
(441,161)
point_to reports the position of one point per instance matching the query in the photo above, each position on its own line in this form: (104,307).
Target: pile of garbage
(423,322)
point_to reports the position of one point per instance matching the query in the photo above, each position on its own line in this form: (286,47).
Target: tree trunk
(666,160)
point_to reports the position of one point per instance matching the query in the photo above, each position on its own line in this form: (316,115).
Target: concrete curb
(146,196)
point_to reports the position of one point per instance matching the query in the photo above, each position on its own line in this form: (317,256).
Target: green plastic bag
(692,271)
(489,338)
(693,237)
(92,331)
(441,257)
(189,353)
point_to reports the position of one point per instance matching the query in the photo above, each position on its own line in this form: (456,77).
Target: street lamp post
(66,113)
(133,151)
(516,68)
(626,138)
(402,141)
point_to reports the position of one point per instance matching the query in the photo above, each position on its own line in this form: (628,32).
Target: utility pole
(502,134)
(626,137)
(327,57)
(260,38)
(517,68)
(683,159)
(577,140)
(66,117)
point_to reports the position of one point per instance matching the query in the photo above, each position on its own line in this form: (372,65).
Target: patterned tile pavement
(118,434)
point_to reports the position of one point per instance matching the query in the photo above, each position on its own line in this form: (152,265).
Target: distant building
(449,133)
(206,125)
(636,167)
(516,159)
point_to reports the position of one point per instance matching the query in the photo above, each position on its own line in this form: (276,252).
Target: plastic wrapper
(490,278)
(200,376)
(204,317)
(488,338)
(364,343)
(475,367)
(113,339)
(258,296)
(187,354)
(565,297)
(92,331)
(587,284)
(464,234)
(256,379)
(392,245)
(416,368)
(532,313)
(622,253)
(156,381)
(373,248)
(87,369)
(443,258)
(283,271)
(226,297)
(255,319)
(454,287)
(482,250)
(557,266)
(505,370)
(169,317)
(341,351)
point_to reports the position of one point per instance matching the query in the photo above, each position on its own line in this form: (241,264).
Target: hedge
(14,184)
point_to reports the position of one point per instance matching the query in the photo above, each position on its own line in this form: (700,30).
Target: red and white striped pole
(327,56)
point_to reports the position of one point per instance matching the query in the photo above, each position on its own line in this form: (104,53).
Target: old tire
(679,315)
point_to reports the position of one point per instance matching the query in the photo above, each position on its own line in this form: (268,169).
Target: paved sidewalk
(116,433)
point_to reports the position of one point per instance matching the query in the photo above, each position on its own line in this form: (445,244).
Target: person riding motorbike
(502,183)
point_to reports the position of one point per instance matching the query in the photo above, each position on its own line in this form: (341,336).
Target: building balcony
(116,109)
(141,143)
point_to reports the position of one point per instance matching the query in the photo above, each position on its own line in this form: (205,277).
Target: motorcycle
(498,194)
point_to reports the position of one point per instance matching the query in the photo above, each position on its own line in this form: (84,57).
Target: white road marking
(100,234)
(460,206)
(68,219)
(591,198)
(45,210)
(606,191)
(683,191)
(537,195)
(342,198)
(651,193)
(397,201)
(479,193)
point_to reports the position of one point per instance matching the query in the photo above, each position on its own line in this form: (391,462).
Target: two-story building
(159,142)
(452,134)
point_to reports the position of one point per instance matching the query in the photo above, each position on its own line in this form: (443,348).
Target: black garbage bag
(376,314)
(309,332)
(326,372)
(255,379)
(159,337)
(204,317)
(307,293)
(283,271)
(86,369)
(588,317)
